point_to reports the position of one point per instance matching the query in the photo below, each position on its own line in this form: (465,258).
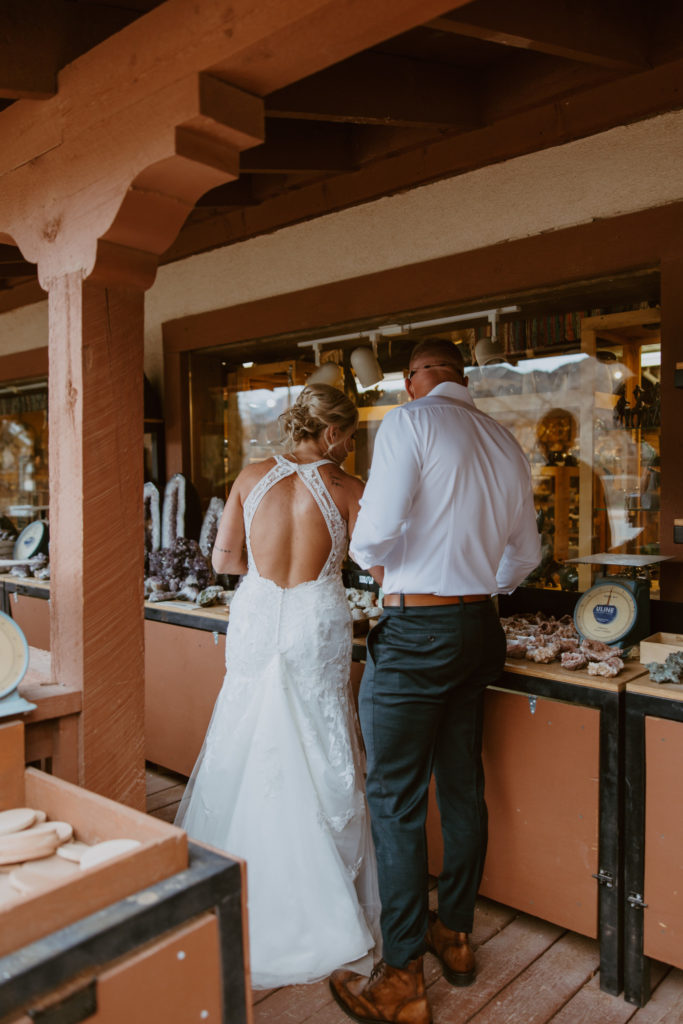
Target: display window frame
(585,256)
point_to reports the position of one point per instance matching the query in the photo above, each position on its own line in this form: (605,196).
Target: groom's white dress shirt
(448,507)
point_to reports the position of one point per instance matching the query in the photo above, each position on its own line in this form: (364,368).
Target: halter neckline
(295,462)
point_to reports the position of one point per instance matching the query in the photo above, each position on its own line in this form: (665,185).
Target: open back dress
(279,780)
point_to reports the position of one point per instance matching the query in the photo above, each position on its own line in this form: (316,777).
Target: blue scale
(616,608)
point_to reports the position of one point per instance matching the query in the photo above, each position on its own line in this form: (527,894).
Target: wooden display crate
(177,951)
(163,849)
(175,979)
(658,646)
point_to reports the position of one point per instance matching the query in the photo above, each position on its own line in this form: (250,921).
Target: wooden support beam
(552,124)
(207,147)
(107,125)
(382,89)
(607,34)
(96,524)
(24,365)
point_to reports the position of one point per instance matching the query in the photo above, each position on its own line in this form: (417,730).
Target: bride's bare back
(290,540)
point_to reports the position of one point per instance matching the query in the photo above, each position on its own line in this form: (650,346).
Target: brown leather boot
(453,950)
(392,995)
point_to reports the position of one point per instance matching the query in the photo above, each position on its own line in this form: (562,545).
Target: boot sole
(460,979)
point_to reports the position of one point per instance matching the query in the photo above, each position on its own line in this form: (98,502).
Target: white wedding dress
(279,781)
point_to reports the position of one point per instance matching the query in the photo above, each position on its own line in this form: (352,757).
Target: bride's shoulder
(251,474)
(338,478)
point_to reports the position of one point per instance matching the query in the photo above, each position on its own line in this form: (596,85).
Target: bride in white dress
(279,781)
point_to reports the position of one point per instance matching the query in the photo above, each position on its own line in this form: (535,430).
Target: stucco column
(96,523)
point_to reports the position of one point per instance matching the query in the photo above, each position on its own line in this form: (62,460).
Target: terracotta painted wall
(623,170)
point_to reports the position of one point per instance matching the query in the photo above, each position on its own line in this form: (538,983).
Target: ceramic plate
(13,655)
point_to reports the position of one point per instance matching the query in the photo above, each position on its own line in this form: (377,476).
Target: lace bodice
(309,474)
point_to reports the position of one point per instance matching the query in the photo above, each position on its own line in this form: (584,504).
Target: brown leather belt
(420,600)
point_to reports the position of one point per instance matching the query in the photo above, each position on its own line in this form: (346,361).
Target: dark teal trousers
(421,711)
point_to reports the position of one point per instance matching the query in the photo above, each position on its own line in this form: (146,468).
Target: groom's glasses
(429,366)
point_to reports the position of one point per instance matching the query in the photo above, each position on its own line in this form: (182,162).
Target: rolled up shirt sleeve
(389,492)
(523,550)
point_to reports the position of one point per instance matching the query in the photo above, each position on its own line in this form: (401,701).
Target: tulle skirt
(279,783)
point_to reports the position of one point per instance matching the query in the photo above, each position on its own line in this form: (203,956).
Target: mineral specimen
(173,513)
(669,671)
(152,518)
(180,565)
(607,667)
(544,639)
(207,536)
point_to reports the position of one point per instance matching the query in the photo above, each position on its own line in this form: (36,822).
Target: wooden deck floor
(528,971)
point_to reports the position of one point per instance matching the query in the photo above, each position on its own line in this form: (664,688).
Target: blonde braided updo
(318,407)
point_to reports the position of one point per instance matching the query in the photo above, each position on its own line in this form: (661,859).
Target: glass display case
(235,410)
(589,424)
(579,392)
(23,452)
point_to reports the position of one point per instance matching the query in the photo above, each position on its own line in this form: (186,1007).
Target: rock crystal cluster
(545,639)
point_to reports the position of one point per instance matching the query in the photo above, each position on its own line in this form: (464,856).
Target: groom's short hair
(440,348)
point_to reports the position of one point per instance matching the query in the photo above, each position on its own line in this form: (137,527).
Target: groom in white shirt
(448,512)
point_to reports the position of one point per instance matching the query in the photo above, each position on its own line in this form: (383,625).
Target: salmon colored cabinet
(553,759)
(184,669)
(653,869)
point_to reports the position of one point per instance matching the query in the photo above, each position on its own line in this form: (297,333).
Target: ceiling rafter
(526,78)
(298,147)
(400,102)
(39,37)
(381,89)
(607,34)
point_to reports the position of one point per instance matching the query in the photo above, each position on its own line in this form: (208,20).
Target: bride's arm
(376,571)
(229,551)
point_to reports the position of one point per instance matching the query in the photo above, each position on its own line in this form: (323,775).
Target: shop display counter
(553,763)
(51,727)
(653,865)
(158,933)
(27,601)
(184,669)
